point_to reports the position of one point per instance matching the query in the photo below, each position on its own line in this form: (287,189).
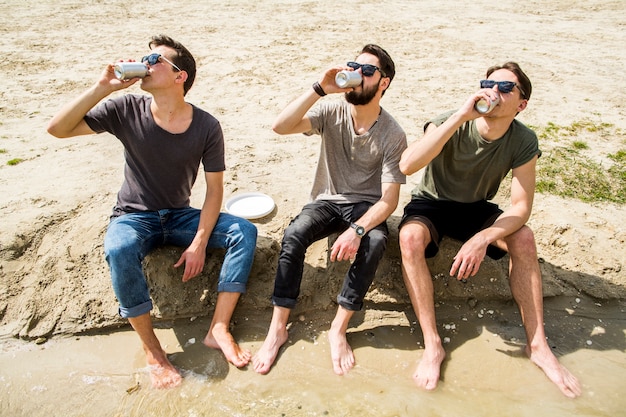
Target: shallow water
(485,373)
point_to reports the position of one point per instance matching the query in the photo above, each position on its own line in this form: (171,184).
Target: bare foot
(427,373)
(220,338)
(265,357)
(557,373)
(162,373)
(340,352)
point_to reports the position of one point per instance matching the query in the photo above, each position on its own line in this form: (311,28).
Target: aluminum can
(484,106)
(347,79)
(129,70)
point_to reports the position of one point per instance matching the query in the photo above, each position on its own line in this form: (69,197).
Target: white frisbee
(250,205)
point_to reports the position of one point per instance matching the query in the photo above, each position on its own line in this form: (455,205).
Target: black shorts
(459,221)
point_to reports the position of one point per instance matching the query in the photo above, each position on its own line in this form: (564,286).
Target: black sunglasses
(366,69)
(503,86)
(152,59)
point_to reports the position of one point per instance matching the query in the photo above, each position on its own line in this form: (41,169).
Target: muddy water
(485,373)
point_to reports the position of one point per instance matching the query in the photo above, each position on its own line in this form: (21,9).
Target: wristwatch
(360,231)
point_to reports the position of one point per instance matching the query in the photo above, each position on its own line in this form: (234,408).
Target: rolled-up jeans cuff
(136,311)
(284,302)
(231,287)
(345,303)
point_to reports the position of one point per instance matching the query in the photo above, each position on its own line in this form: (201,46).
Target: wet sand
(485,374)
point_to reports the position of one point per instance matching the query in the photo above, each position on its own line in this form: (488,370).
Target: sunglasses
(152,59)
(366,69)
(503,86)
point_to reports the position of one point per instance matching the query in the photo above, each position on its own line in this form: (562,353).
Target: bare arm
(194,256)
(292,119)
(420,153)
(69,121)
(467,261)
(347,244)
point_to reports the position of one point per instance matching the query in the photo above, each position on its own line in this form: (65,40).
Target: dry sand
(253,58)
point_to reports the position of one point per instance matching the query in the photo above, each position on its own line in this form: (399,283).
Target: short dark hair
(386,63)
(183,59)
(524,82)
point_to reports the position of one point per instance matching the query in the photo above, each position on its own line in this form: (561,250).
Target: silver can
(347,79)
(484,106)
(130,70)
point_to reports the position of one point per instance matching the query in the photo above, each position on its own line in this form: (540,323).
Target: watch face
(360,230)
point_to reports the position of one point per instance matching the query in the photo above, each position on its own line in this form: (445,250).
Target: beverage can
(347,79)
(130,70)
(484,106)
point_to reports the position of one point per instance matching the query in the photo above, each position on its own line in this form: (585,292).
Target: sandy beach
(64,350)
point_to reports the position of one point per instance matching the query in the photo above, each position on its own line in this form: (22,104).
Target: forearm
(506,224)
(291,119)
(67,121)
(376,214)
(208,218)
(522,197)
(421,152)
(382,209)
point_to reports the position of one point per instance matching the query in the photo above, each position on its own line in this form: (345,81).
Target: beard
(363,97)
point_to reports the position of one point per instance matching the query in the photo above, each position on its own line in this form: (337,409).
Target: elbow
(55,130)
(404,167)
(279,129)
(409,165)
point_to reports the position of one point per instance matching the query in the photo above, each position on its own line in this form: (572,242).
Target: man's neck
(492,129)
(364,117)
(171,113)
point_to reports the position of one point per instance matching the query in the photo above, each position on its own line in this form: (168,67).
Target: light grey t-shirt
(470,168)
(351,167)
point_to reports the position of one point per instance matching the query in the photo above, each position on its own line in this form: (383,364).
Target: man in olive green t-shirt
(466,155)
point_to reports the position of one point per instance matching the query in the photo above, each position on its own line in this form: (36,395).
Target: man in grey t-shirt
(466,156)
(356,187)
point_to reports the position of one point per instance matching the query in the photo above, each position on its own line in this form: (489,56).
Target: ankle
(219,328)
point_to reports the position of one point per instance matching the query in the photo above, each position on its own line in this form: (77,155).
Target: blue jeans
(130,237)
(318,220)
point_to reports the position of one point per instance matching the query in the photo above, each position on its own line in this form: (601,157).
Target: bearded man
(356,188)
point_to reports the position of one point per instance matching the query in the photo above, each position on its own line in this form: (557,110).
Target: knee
(522,242)
(249,232)
(245,233)
(120,249)
(377,239)
(294,239)
(413,241)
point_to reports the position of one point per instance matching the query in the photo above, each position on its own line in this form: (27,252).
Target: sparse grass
(567,171)
(619,157)
(554,132)
(14,161)
(3,151)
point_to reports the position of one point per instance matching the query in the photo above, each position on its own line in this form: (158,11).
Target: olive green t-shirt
(470,168)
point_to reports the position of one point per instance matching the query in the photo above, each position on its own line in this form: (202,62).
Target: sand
(253,58)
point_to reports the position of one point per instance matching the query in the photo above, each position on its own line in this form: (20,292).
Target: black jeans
(316,221)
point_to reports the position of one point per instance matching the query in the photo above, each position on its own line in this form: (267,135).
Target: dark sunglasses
(152,59)
(366,69)
(503,86)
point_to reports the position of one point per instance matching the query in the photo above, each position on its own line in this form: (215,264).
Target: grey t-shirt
(351,167)
(160,167)
(470,168)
